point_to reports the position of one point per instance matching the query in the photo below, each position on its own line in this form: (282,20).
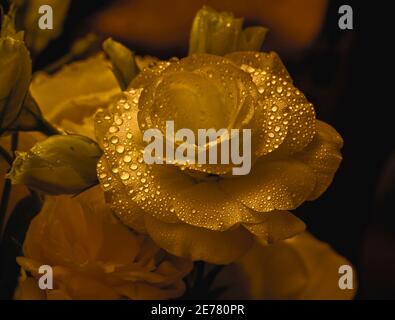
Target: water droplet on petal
(120,149)
(127,158)
(125,175)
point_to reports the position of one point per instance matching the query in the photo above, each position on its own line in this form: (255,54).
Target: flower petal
(154,188)
(124,175)
(323,156)
(93,256)
(298,268)
(199,243)
(285,117)
(80,79)
(199,92)
(267,61)
(279,225)
(206,205)
(149,73)
(280,184)
(28,289)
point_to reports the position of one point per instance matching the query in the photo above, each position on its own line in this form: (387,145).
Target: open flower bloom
(93,256)
(299,268)
(202,211)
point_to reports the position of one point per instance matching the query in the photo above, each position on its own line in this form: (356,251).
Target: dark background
(348,77)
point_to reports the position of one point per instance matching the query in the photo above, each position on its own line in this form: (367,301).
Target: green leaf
(123,62)
(221,33)
(11,244)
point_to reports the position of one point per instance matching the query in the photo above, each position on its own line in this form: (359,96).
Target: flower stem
(5,198)
(6,156)
(48,129)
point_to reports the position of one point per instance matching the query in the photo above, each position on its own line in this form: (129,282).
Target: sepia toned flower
(201,211)
(93,256)
(85,86)
(128,177)
(298,268)
(61,164)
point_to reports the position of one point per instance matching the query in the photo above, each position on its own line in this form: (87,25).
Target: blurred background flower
(94,256)
(298,268)
(86,86)
(165,25)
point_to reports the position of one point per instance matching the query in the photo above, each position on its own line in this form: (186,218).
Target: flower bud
(15,75)
(61,164)
(123,62)
(221,33)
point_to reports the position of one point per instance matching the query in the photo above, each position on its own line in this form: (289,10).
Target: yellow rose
(93,256)
(299,268)
(201,211)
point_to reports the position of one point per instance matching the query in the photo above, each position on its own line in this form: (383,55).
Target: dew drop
(114,140)
(120,149)
(127,158)
(113,129)
(125,175)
